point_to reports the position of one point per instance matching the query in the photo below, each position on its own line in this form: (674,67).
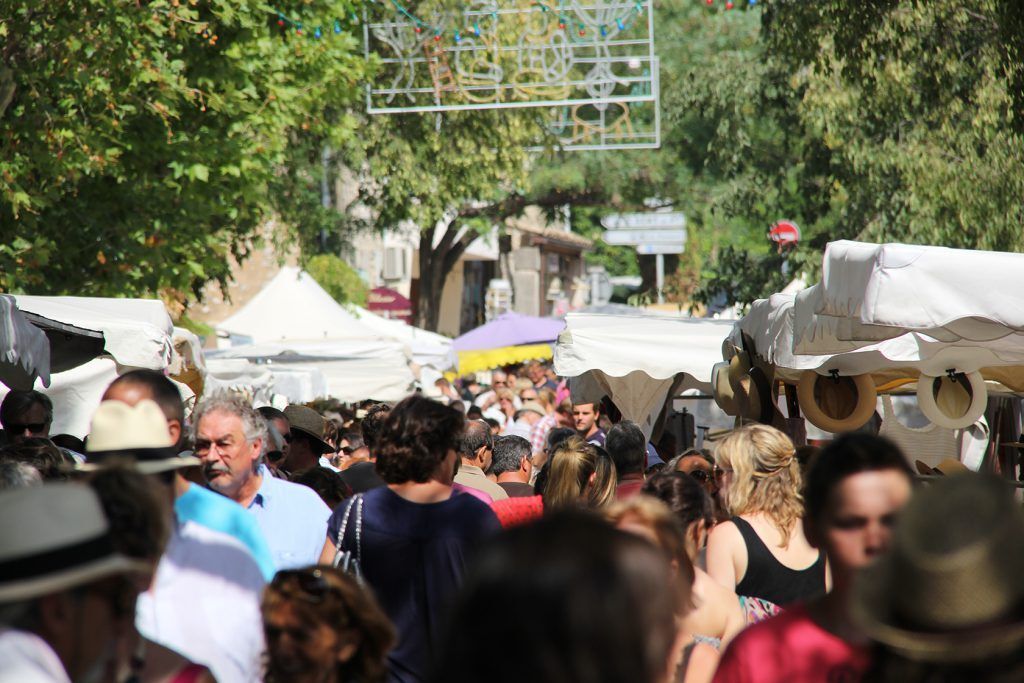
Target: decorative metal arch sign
(591,64)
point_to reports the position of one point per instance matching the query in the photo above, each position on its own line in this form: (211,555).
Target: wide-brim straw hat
(722,390)
(950,587)
(136,435)
(836,404)
(953,401)
(946,467)
(55,537)
(310,423)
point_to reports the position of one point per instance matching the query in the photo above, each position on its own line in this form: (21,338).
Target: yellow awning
(476,361)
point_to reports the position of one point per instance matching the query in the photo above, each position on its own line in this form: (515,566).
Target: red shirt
(518,510)
(629,485)
(790,647)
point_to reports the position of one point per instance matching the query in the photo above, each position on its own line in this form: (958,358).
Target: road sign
(631,237)
(648,249)
(672,220)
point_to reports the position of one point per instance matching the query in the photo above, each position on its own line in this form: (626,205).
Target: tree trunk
(436,262)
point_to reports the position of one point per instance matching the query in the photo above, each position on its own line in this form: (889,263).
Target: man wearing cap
(529,415)
(854,490)
(204,600)
(230,437)
(66,597)
(475,450)
(192,502)
(307,446)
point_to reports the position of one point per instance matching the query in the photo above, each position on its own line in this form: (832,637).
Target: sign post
(654,233)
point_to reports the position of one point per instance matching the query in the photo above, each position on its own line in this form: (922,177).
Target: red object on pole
(784,233)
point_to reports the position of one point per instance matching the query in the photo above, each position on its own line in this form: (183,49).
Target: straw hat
(533,407)
(946,467)
(837,404)
(755,399)
(310,423)
(721,388)
(55,537)
(954,401)
(138,433)
(949,589)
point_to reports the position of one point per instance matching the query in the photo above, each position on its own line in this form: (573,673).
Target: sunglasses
(703,476)
(34,427)
(347,450)
(312,584)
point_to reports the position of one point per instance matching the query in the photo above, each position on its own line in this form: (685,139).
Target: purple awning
(510,329)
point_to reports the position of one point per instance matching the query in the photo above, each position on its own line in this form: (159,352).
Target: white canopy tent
(136,333)
(638,360)
(294,323)
(428,349)
(770,324)
(871,292)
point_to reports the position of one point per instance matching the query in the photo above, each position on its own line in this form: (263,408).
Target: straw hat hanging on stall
(838,403)
(741,390)
(955,401)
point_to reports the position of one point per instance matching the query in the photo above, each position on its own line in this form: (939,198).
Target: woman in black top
(761,552)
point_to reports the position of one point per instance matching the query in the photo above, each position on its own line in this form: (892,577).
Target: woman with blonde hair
(761,551)
(581,475)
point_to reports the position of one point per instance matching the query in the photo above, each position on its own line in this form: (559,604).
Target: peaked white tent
(292,321)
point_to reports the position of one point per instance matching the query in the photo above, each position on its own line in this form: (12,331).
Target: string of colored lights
(622,23)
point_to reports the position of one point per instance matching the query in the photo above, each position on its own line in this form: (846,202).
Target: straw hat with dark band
(311,424)
(138,433)
(55,537)
(839,404)
(950,587)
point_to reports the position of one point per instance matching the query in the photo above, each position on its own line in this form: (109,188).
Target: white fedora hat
(55,537)
(837,404)
(954,401)
(138,433)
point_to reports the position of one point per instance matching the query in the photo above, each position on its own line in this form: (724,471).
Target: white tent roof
(972,295)
(428,348)
(293,307)
(771,322)
(136,332)
(637,360)
(294,323)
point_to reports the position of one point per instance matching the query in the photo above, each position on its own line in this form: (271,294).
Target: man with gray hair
(475,448)
(512,463)
(230,437)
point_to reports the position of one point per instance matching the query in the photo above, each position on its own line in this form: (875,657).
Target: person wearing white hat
(66,596)
(204,600)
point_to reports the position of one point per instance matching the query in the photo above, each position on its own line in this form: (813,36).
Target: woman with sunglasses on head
(322,627)
(761,552)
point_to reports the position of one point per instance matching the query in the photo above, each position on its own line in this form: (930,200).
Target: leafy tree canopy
(142,141)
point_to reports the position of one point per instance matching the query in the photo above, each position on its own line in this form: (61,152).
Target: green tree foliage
(873,120)
(337,278)
(142,142)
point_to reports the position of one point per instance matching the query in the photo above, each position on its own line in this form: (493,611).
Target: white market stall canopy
(136,333)
(638,360)
(427,348)
(870,292)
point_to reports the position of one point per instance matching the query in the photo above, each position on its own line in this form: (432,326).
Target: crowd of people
(490,532)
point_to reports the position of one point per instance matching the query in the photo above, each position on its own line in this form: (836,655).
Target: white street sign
(673,220)
(647,249)
(644,236)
